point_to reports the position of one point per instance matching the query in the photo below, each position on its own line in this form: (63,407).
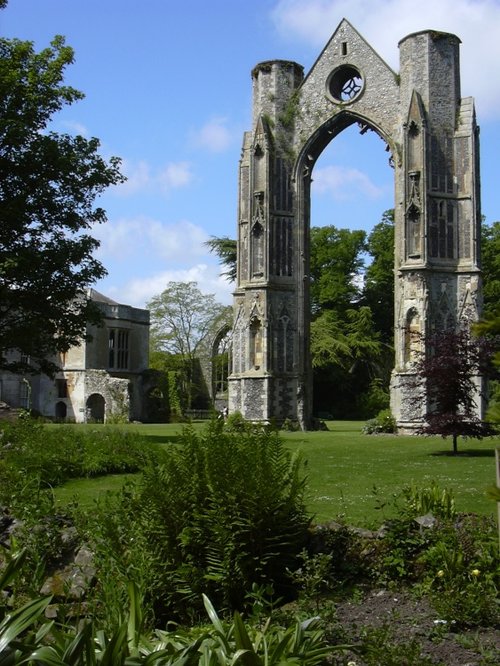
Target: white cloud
(138,177)
(344,183)
(384,23)
(142,178)
(214,136)
(139,291)
(175,175)
(144,236)
(75,127)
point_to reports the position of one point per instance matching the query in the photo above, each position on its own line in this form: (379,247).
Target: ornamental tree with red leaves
(450,373)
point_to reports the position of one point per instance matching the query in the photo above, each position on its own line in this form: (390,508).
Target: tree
(48,184)
(490,265)
(182,322)
(336,263)
(378,290)
(489,327)
(446,383)
(226,249)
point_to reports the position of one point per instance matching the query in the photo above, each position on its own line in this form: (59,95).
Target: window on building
(442,230)
(62,388)
(118,349)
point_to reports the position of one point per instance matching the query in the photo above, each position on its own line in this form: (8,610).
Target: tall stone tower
(432,137)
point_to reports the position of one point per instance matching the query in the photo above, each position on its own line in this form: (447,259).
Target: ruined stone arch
(432,140)
(221,367)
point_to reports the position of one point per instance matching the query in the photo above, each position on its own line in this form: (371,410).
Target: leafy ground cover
(224,510)
(350,473)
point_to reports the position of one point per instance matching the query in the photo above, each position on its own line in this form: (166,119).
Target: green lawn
(344,466)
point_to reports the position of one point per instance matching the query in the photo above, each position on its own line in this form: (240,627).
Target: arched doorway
(61,410)
(220,364)
(432,137)
(96,406)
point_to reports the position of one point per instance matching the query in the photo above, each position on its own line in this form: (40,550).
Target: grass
(351,474)
(344,467)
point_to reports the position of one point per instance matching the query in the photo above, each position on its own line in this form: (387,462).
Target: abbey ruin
(432,138)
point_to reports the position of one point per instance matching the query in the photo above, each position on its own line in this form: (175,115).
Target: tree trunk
(455,447)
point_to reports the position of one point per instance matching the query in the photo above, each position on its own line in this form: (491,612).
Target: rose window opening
(345,84)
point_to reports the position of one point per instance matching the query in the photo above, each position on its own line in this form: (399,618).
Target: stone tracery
(433,144)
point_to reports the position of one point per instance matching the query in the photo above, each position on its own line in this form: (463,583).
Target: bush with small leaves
(384,422)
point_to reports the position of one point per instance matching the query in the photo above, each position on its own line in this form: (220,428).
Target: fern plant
(225,510)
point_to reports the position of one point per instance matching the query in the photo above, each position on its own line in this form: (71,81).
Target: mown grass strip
(351,474)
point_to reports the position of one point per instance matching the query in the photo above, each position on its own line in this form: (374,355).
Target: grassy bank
(352,474)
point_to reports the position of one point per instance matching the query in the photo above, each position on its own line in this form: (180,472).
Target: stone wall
(431,138)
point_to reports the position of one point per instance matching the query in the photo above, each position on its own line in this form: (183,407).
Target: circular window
(345,83)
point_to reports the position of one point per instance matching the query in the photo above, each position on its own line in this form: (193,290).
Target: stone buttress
(432,143)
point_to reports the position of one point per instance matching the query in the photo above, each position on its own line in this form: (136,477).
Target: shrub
(27,637)
(374,400)
(53,454)
(223,512)
(384,422)
(462,572)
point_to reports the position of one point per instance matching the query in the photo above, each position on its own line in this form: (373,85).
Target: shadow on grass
(469,453)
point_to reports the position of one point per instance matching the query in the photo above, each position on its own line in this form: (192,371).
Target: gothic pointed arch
(431,138)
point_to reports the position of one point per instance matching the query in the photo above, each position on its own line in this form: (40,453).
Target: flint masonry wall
(431,138)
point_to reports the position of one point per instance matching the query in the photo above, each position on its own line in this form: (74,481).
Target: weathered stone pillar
(432,139)
(436,254)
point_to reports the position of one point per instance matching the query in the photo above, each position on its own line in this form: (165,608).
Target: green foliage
(375,400)
(48,185)
(27,637)
(462,573)
(34,458)
(490,265)
(345,352)
(450,557)
(176,397)
(226,249)
(183,323)
(381,645)
(52,454)
(313,578)
(351,329)
(490,328)
(335,262)
(378,290)
(224,511)
(384,422)
(422,500)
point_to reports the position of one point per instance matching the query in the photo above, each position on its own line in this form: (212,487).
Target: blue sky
(168,89)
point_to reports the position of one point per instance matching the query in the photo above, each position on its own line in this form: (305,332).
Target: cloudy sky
(168,89)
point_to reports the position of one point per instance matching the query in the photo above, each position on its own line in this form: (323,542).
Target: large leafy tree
(490,264)
(336,263)
(490,327)
(445,384)
(183,321)
(378,290)
(48,185)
